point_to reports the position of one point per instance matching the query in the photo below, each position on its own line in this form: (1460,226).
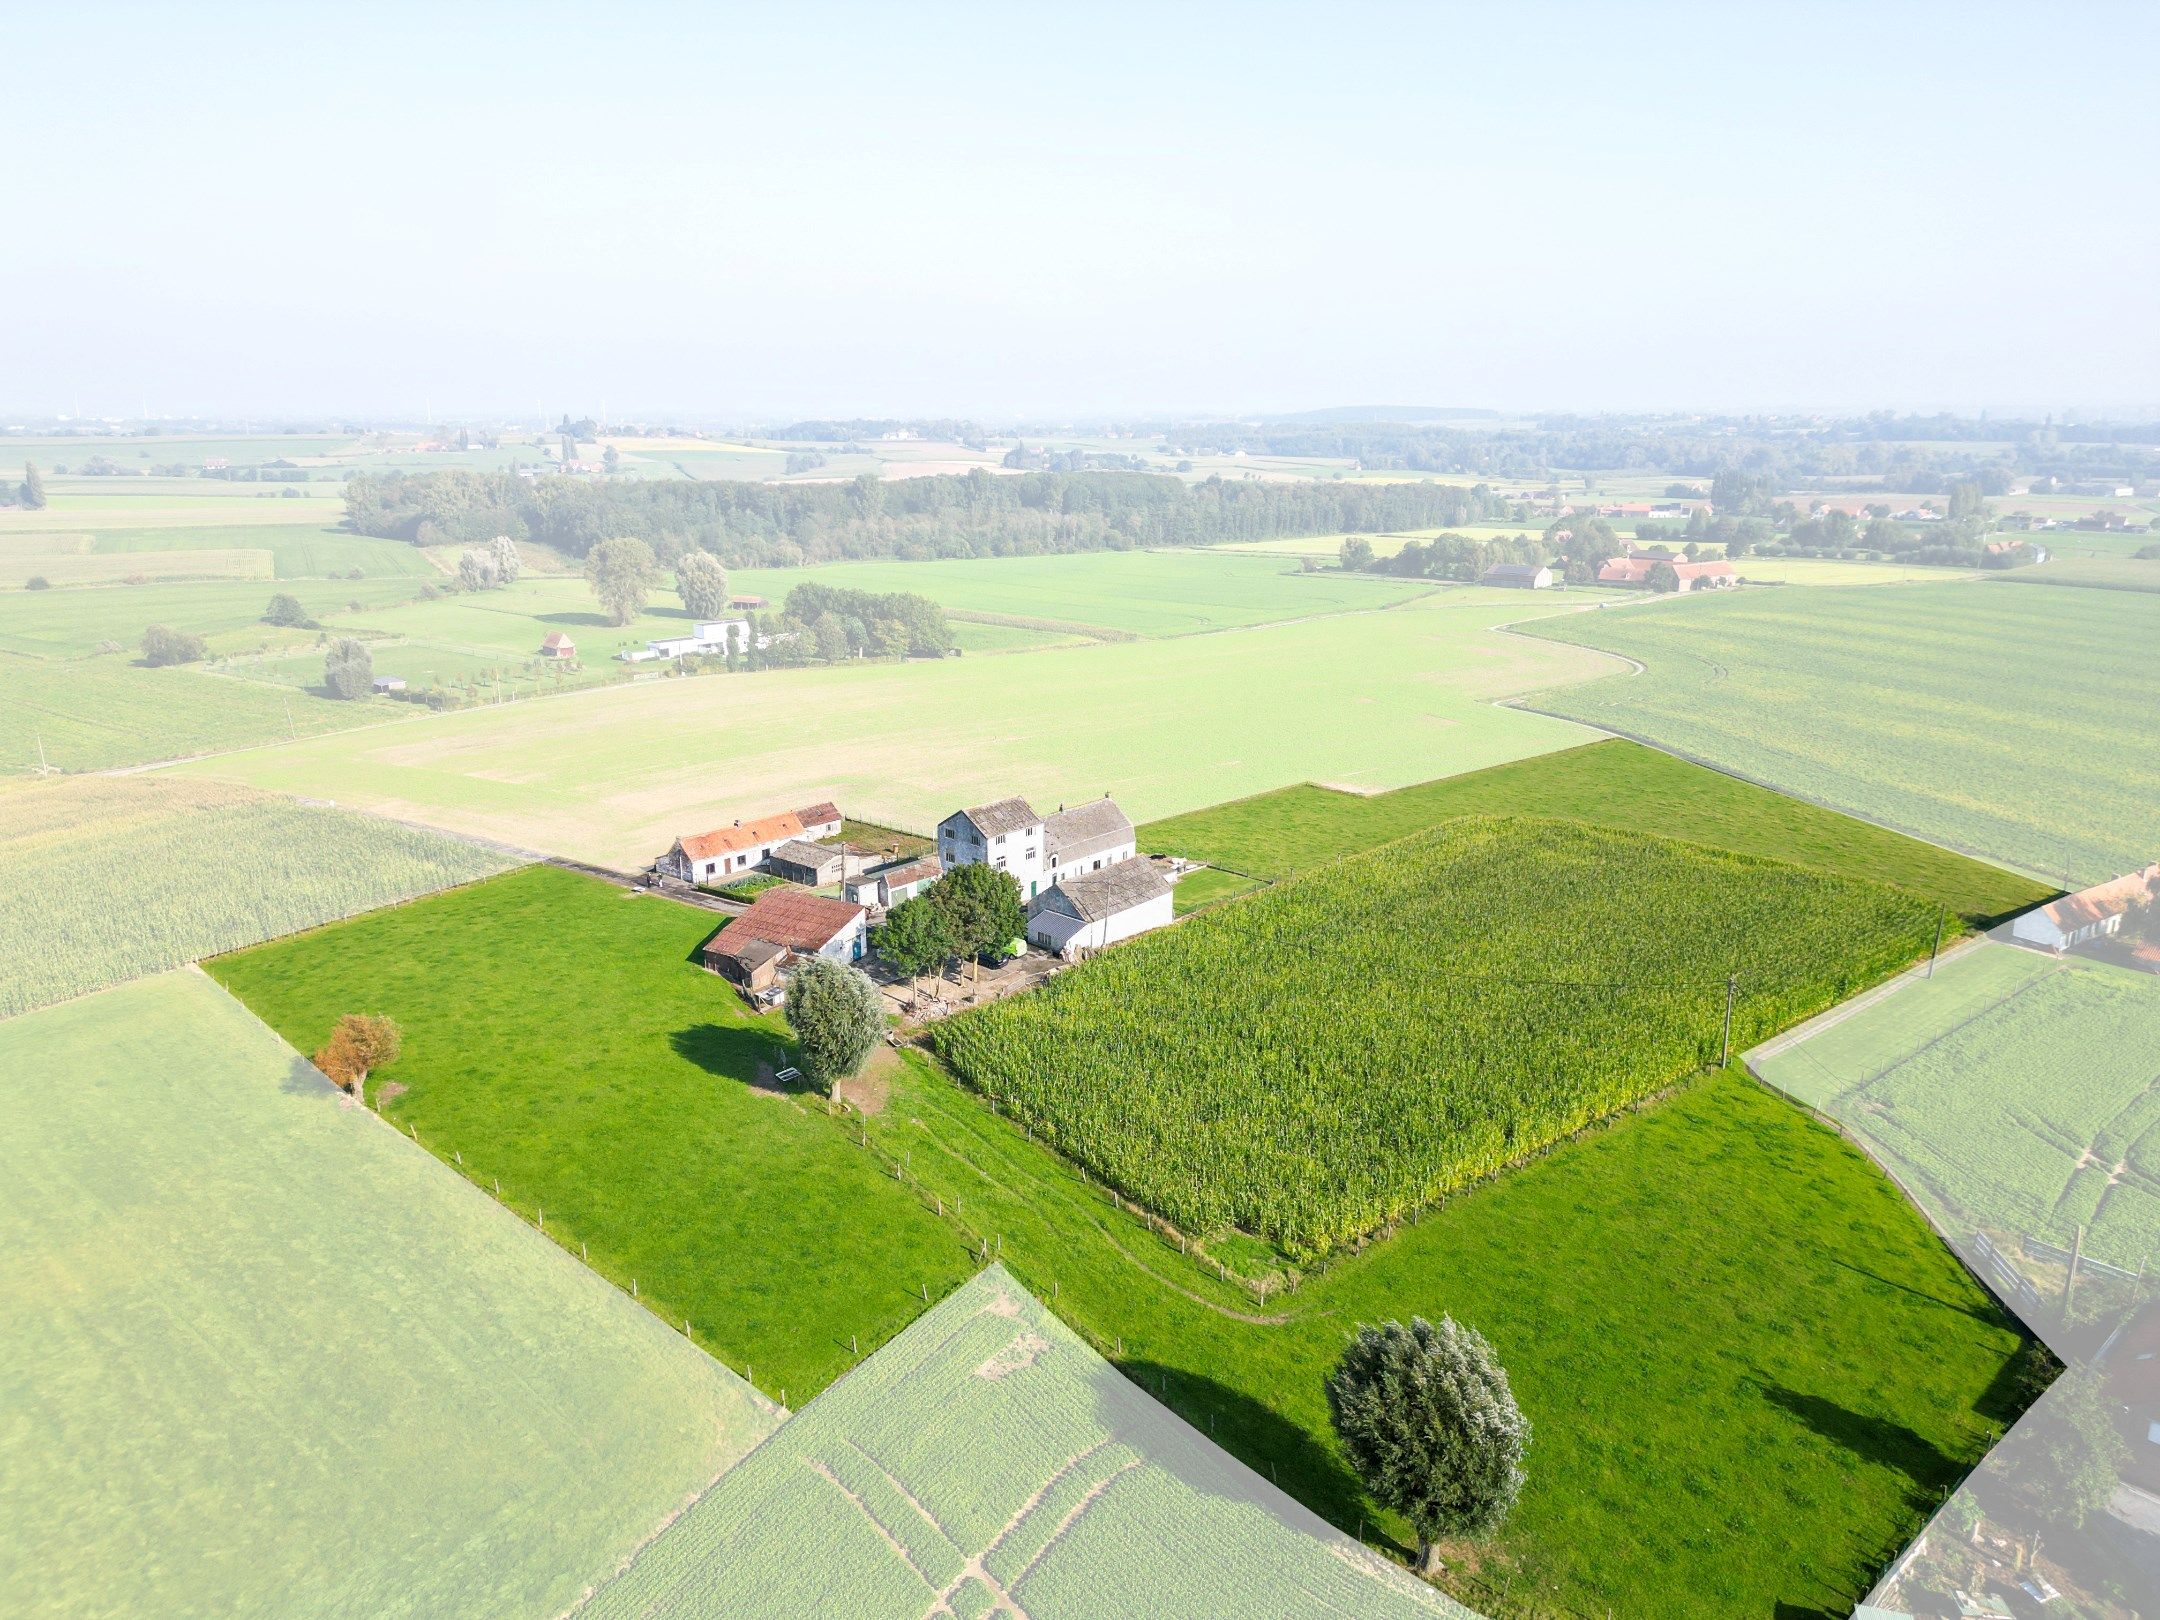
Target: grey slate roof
(1510,574)
(801,852)
(1117,887)
(1087,829)
(1003,816)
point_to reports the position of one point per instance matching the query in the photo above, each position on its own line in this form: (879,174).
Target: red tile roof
(764,830)
(789,917)
(2102,900)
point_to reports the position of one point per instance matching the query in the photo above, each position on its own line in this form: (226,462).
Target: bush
(37,582)
(349,669)
(162,644)
(837,1015)
(285,609)
(360,1044)
(747,888)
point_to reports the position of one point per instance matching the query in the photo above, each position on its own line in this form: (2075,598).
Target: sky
(1033,213)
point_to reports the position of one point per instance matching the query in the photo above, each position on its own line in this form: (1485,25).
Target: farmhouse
(557,645)
(1634,569)
(888,886)
(2090,914)
(1101,906)
(1519,576)
(746,846)
(753,951)
(814,865)
(716,637)
(1037,850)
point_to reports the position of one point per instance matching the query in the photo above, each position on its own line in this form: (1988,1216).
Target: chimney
(738,821)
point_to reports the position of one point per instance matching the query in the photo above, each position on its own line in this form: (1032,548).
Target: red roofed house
(2089,914)
(753,949)
(1693,576)
(557,645)
(746,846)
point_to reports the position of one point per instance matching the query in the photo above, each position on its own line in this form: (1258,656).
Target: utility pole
(1941,915)
(2077,1254)
(1732,989)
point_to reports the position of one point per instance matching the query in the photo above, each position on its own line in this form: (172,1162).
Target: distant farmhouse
(1079,871)
(715,638)
(754,950)
(1635,568)
(1518,576)
(2090,914)
(746,846)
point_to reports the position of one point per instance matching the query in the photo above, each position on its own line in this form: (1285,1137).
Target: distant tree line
(977,514)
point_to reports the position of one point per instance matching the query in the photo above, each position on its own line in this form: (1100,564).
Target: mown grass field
(560,1035)
(2021,1094)
(1752,1368)
(2012,723)
(105,879)
(86,567)
(1613,783)
(614,775)
(227,613)
(1327,1058)
(264,1359)
(990,1458)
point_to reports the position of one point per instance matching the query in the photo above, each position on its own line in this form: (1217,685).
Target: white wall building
(1101,906)
(1038,851)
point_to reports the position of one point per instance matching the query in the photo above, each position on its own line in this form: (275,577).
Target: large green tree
(32,491)
(621,573)
(915,938)
(981,906)
(702,584)
(837,1015)
(349,669)
(2065,1463)
(162,644)
(1426,1418)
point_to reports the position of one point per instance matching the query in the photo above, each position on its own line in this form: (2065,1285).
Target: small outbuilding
(1518,576)
(389,683)
(557,645)
(1092,909)
(889,885)
(782,923)
(810,864)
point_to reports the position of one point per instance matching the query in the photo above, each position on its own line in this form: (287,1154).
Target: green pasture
(629,1111)
(79,565)
(2012,723)
(2019,1094)
(100,714)
(990,1458)
(108,878)
(1613,783)
(300,550)
(1168,724)
(69,623)
(1751,1367)
(1149,593)
(2099,573)
(263,1358)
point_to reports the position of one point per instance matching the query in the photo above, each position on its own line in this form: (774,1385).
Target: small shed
(389,683)
(557,645)
(812,865)
(1518,576)
(751,965)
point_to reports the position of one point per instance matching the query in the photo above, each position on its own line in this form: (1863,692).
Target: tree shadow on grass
(1989,1313)
(1262,1439)
(1927,1469)
(303,1079)
(730,1051)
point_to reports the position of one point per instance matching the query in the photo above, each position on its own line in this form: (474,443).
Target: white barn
(2090,914)
(1101,906)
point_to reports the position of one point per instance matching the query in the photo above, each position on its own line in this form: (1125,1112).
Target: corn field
(1323,1059)
(105,879)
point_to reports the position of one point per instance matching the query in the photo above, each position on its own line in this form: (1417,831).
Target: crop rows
(2037,1115)
(1320,1060)
(107,879)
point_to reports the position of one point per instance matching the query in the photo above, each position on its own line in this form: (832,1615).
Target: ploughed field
(1321,1060)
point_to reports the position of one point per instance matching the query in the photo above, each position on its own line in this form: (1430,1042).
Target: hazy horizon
(734,216)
